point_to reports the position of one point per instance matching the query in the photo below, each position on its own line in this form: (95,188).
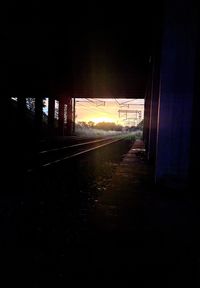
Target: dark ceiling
(84,49)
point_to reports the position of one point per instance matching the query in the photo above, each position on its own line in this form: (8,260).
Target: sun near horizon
(107,110)
(102,119)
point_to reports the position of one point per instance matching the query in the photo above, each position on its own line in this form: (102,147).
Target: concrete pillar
(69,116)
(21,103)
(21,110)
(51,113)
(74,115)
(38,114)
(147,115)
(176,94)
(155,86)
(61,116)
(195,139)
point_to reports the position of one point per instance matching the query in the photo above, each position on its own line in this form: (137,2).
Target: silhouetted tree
(108,126)
(83,124)
(91,124)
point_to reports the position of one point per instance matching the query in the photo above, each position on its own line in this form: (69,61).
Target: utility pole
(74,115)
(136,113)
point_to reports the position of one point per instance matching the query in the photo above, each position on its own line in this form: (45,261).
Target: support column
(147,116)
(38,114)
(61,116)
(74,115)
(195,138)
(21,110)
(69,116)
(21,102)
(176,95)
(51,113)
(152,137)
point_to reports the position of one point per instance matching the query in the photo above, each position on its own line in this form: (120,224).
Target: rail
(48,153)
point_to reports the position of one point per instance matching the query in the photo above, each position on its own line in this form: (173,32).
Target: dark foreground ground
(97,221)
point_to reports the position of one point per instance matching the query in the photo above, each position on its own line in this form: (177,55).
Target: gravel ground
(51,210)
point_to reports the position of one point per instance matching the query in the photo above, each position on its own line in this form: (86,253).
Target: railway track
(53,156)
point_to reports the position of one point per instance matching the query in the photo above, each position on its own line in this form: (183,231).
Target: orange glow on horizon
(101,119)
(107,110)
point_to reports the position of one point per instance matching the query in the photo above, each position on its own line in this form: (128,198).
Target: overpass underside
(169,84)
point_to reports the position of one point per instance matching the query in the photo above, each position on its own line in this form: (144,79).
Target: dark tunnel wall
(195,141)
(170,97)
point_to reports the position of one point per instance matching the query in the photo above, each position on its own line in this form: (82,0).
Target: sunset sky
(99,110)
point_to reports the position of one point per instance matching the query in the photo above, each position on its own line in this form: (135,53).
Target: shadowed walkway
(139,235)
